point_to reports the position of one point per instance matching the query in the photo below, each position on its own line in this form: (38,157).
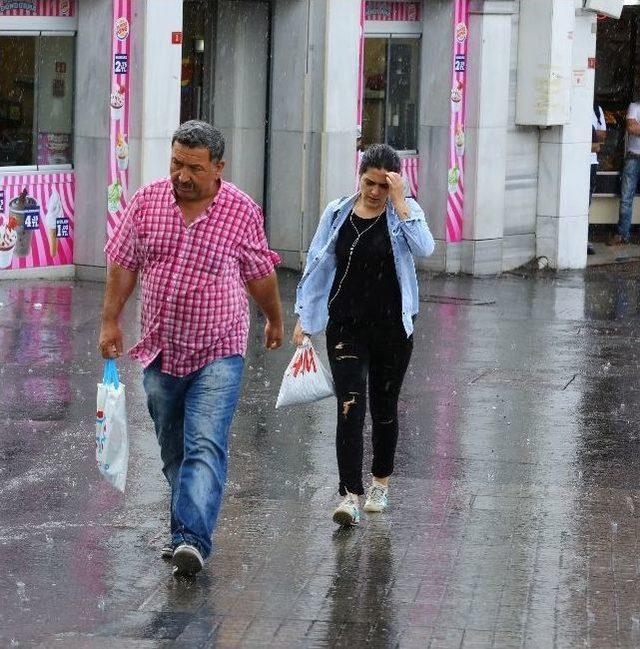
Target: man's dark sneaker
(166,552)
(187,560)
(590,250)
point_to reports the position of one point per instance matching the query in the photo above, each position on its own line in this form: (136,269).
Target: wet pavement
(514,518)
(606,255)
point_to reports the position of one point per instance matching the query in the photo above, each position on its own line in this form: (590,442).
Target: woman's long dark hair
(380,156)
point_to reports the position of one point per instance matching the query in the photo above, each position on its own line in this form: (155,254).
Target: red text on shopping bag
(305,361)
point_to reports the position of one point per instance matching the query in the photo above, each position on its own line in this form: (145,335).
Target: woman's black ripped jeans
(380,353)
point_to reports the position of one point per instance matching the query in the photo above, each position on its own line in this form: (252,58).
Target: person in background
(630,176)
(360,285)
(598,136)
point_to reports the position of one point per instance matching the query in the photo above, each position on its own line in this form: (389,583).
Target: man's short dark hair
(380,156)
(195,134)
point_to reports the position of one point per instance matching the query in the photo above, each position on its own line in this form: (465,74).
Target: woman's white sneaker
(347,512)
(377,498)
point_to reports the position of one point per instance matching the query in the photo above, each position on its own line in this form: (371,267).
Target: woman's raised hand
(396,194)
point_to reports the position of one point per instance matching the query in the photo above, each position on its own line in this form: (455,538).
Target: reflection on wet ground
(514,507)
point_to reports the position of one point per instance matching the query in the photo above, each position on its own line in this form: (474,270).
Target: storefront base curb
(91,273)
(46,272)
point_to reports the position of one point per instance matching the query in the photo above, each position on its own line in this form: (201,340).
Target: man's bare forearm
(120,285)
(267,296)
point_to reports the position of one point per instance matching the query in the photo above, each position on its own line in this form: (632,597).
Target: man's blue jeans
(192,417)
(630,176)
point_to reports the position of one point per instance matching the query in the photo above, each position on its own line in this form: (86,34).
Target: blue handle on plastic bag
(110,374)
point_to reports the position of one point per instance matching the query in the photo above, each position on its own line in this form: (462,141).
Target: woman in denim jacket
(360,285)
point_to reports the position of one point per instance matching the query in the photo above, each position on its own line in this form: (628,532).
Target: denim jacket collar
(345,205)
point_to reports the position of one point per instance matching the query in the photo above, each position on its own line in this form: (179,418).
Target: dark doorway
(198,20)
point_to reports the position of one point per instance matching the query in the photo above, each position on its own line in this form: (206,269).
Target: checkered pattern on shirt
(194,302)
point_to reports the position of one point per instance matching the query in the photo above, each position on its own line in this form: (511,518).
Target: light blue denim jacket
(408,239)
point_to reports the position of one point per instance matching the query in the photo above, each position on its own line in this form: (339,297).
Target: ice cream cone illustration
(122,151)
(456,97)
(453,179)
(8,239)
(459,139)
(54,212)
(117,102)
(114,192)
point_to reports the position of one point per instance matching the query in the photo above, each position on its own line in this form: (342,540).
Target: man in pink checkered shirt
(198,244)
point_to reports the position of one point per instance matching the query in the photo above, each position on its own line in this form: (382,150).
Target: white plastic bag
(305,379)
(112,441)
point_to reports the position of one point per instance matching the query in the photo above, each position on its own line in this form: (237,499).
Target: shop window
(617,84)
(36,100)
(391,92)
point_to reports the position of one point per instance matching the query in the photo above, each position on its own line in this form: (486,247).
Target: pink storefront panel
(119,113)
(48,8)
(455,176)
(411,11)
(393,11)
(36,220)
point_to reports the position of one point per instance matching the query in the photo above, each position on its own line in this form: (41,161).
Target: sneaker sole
(186,562)
(343,518)
(166,553)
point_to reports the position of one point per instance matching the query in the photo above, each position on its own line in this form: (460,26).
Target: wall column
(486,135)
(154,97)
(563,173)
(91,140)
(240,92)
(313,117)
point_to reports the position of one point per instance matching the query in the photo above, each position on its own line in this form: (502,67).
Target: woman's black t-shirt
(365,289)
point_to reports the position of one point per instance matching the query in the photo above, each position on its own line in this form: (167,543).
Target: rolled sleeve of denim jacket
(416,231)
(319,241)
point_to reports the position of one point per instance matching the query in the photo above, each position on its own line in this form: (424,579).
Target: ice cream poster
(455,173)
(36,221)
(119,106)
